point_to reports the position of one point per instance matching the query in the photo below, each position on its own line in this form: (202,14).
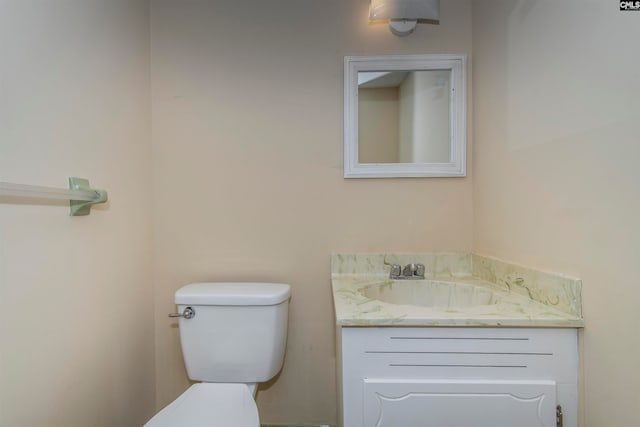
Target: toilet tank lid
(232,293)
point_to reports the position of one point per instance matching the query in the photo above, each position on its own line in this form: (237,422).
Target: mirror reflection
(404,116)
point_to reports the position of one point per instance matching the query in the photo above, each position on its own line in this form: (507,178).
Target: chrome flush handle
(188,313)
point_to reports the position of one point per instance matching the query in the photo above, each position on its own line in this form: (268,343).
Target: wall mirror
(404,116)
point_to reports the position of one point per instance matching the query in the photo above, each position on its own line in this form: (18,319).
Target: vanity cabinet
(457,377)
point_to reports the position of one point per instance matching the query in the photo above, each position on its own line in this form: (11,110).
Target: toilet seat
(210,405)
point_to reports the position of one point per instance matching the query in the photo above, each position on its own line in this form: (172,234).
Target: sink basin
(430,293)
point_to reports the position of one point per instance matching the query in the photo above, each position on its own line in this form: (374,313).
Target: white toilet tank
(238,332)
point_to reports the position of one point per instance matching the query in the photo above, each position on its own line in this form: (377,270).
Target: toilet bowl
(233,336)
(211,405)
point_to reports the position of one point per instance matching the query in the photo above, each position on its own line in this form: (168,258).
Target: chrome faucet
(410,271)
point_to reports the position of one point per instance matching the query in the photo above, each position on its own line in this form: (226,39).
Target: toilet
(233,336)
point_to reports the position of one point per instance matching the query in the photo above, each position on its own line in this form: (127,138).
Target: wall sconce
(403,15)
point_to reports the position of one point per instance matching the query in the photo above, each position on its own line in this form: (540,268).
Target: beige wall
(76,293)
(247,134)
(406,131)
(556,181)
(424,117)
(378,117)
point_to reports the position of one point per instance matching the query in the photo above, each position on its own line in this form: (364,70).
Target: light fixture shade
(404,9)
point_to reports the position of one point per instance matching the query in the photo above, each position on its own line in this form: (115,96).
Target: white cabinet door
(459,403)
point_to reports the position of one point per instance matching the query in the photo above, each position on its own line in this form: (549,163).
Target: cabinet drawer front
(461,352)
(458,403)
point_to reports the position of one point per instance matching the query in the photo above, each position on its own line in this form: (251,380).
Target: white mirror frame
(457,166)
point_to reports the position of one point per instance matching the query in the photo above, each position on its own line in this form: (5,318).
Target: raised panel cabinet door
(459,403)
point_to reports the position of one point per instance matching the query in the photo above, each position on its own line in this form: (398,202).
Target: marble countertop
(522,298)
